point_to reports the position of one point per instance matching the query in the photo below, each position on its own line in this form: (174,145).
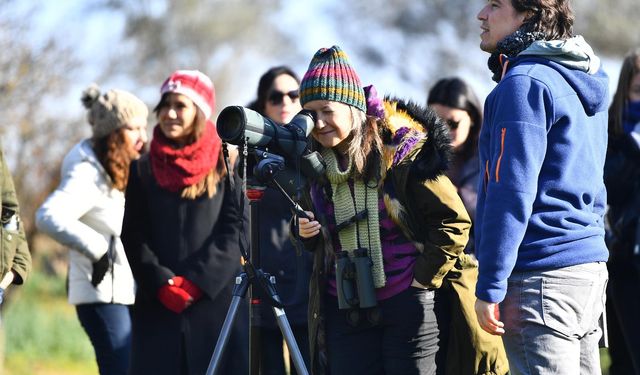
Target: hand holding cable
(308,227)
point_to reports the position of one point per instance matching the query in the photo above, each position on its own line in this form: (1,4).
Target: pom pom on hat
(112,110)
(195,85)
(331,77)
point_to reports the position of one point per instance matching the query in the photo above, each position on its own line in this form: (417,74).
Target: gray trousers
(551,320)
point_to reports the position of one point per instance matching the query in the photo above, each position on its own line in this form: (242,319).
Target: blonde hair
(208,184)
(365,146)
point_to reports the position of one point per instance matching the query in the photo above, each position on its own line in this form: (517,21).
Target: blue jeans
(109,329)
(404,341)
(551,320)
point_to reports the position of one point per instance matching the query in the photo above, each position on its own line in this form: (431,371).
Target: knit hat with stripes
(331,77)
(195,85)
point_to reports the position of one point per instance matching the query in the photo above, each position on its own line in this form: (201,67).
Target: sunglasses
(276,97)
(453,125)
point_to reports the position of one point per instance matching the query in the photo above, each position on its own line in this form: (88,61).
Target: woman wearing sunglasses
(278,99)
(455,102)
(622,178)
(278,96)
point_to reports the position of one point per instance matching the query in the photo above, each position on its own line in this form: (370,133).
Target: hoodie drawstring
(504,61)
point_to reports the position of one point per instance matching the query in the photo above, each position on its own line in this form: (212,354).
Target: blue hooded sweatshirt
(542,148)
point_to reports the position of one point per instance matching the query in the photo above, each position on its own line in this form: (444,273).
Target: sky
(94,35)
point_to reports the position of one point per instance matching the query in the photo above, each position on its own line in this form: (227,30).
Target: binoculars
(354,280)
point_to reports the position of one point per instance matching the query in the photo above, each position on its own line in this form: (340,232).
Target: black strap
(225,154)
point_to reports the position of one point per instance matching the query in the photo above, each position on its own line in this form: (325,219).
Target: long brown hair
(630,67)
(209,183)
(553,18)
(115,153)
(365,147)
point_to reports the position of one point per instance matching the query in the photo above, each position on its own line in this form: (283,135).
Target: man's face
(499,19)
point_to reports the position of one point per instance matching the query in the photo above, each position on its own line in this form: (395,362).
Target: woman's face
(634,88)
(334,122)
(283,99)
(459,123)
(177,117)
(136,132)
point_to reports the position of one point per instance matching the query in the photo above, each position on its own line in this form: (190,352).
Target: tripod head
(268,165)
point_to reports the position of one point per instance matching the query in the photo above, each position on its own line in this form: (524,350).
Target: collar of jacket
(417,146)
(414,137)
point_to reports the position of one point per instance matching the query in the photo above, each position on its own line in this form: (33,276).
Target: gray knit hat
(111,110)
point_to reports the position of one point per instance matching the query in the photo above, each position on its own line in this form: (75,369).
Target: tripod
(252,277)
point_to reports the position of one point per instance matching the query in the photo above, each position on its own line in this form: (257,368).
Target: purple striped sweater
(399,253)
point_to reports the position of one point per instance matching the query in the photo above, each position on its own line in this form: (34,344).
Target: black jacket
(279,258)
(165,235)
(622,179)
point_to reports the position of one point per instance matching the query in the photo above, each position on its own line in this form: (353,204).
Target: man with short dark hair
(539,220)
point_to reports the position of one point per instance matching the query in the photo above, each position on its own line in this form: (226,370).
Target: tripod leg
(239,292)
(294,351)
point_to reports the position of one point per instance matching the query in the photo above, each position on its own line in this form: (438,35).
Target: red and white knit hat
(195,85)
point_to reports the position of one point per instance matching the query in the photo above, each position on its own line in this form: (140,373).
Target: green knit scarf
(368,230)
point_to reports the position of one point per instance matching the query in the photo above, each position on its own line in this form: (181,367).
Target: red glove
(174,298)
(177,281)
(188,286)
(191,288)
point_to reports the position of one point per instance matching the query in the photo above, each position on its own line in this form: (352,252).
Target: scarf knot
(177,168)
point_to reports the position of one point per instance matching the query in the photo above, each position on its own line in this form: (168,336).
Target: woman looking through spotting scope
(386,225)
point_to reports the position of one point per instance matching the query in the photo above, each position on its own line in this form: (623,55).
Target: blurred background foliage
(51,52)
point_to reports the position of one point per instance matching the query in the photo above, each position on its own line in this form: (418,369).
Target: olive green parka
(422,201)
(14,251)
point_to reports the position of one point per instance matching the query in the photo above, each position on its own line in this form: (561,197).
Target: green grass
(605,361)
(42,332)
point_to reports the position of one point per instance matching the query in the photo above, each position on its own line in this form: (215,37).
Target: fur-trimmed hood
(417,146)
(414,134)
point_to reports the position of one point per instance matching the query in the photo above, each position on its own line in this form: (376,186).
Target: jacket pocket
(503,134)
(566,305)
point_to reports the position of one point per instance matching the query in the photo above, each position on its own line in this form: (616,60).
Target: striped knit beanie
(331,77)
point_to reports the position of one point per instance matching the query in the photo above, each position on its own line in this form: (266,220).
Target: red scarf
(176,168)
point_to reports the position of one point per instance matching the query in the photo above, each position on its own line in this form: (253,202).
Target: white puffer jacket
(84,212)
